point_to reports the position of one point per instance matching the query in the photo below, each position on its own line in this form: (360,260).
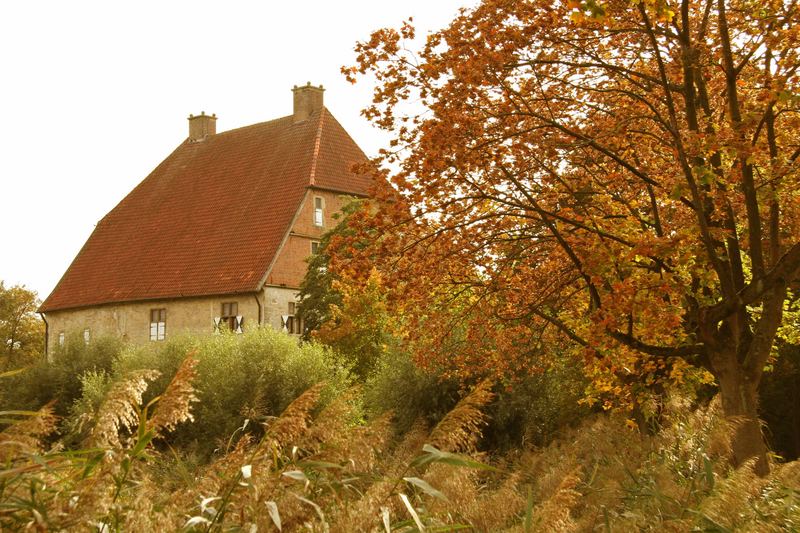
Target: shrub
(59,380)
(531,410)
(780,403)
(314,469)
(410,392)
(251,377)
(534,409)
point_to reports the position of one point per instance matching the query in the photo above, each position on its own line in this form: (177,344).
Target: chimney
(307,100)
(201,126)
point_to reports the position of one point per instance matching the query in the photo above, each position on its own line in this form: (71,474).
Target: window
(290,323)
(61,338)
(230,318)
(158,324)
(318,205)
(315,249)
(229,312)
(86,336)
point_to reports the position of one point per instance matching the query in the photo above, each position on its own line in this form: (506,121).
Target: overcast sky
(95,94)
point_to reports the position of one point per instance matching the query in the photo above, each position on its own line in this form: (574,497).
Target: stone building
(217,235)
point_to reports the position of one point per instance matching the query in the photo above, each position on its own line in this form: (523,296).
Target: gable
(290,262)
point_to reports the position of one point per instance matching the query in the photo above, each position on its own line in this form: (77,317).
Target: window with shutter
(230,316)
(290,323)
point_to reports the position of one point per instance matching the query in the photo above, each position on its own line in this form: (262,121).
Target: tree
(617,179)
(21,330)
(317,293)
(346,312)
(359,327)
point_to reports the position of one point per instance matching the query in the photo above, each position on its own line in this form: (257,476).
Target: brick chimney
(201,126)
(307,100)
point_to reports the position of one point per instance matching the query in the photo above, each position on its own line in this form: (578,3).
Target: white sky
(95,94)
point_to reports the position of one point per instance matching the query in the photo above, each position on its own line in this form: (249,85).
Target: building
(217,235)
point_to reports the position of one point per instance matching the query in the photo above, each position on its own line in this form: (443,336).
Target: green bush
(252,377)
(411,393)
(59,380)
(779,405)
(534,409)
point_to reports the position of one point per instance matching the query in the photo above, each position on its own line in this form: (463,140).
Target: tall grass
(320,463)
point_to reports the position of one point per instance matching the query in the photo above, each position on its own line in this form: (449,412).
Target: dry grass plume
(460,429)
(120,409)
(174,405)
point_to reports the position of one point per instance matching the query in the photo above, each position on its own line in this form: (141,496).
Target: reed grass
(323,467)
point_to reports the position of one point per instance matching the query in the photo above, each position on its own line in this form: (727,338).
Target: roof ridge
(315,155)
(257,124)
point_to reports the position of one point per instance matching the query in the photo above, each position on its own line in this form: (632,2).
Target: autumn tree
(21,330)
(616,179)
(317,293)
(346,311)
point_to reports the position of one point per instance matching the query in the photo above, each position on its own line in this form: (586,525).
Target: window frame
(291,323)
(229,314)
(158,324)
(318,214)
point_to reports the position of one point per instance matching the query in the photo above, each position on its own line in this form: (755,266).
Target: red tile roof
(211,217)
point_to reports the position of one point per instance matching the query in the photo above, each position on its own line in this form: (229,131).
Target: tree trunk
(740,406)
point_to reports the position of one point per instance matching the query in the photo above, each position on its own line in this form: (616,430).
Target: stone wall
(276,304)
(131,321)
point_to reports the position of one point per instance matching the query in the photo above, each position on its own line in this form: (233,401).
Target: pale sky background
(95,94)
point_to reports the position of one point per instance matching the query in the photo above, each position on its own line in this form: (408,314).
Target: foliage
(359,326)
(241,380)
(349,315)
(21,330)
(613,180)
(315,469)
(317,293)
(59,380)
(535,409)
(252,377)
(530,411)
(409,392)
(780,404)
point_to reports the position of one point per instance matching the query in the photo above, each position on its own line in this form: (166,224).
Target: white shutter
(217,321)
(284,323)
(238,324)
